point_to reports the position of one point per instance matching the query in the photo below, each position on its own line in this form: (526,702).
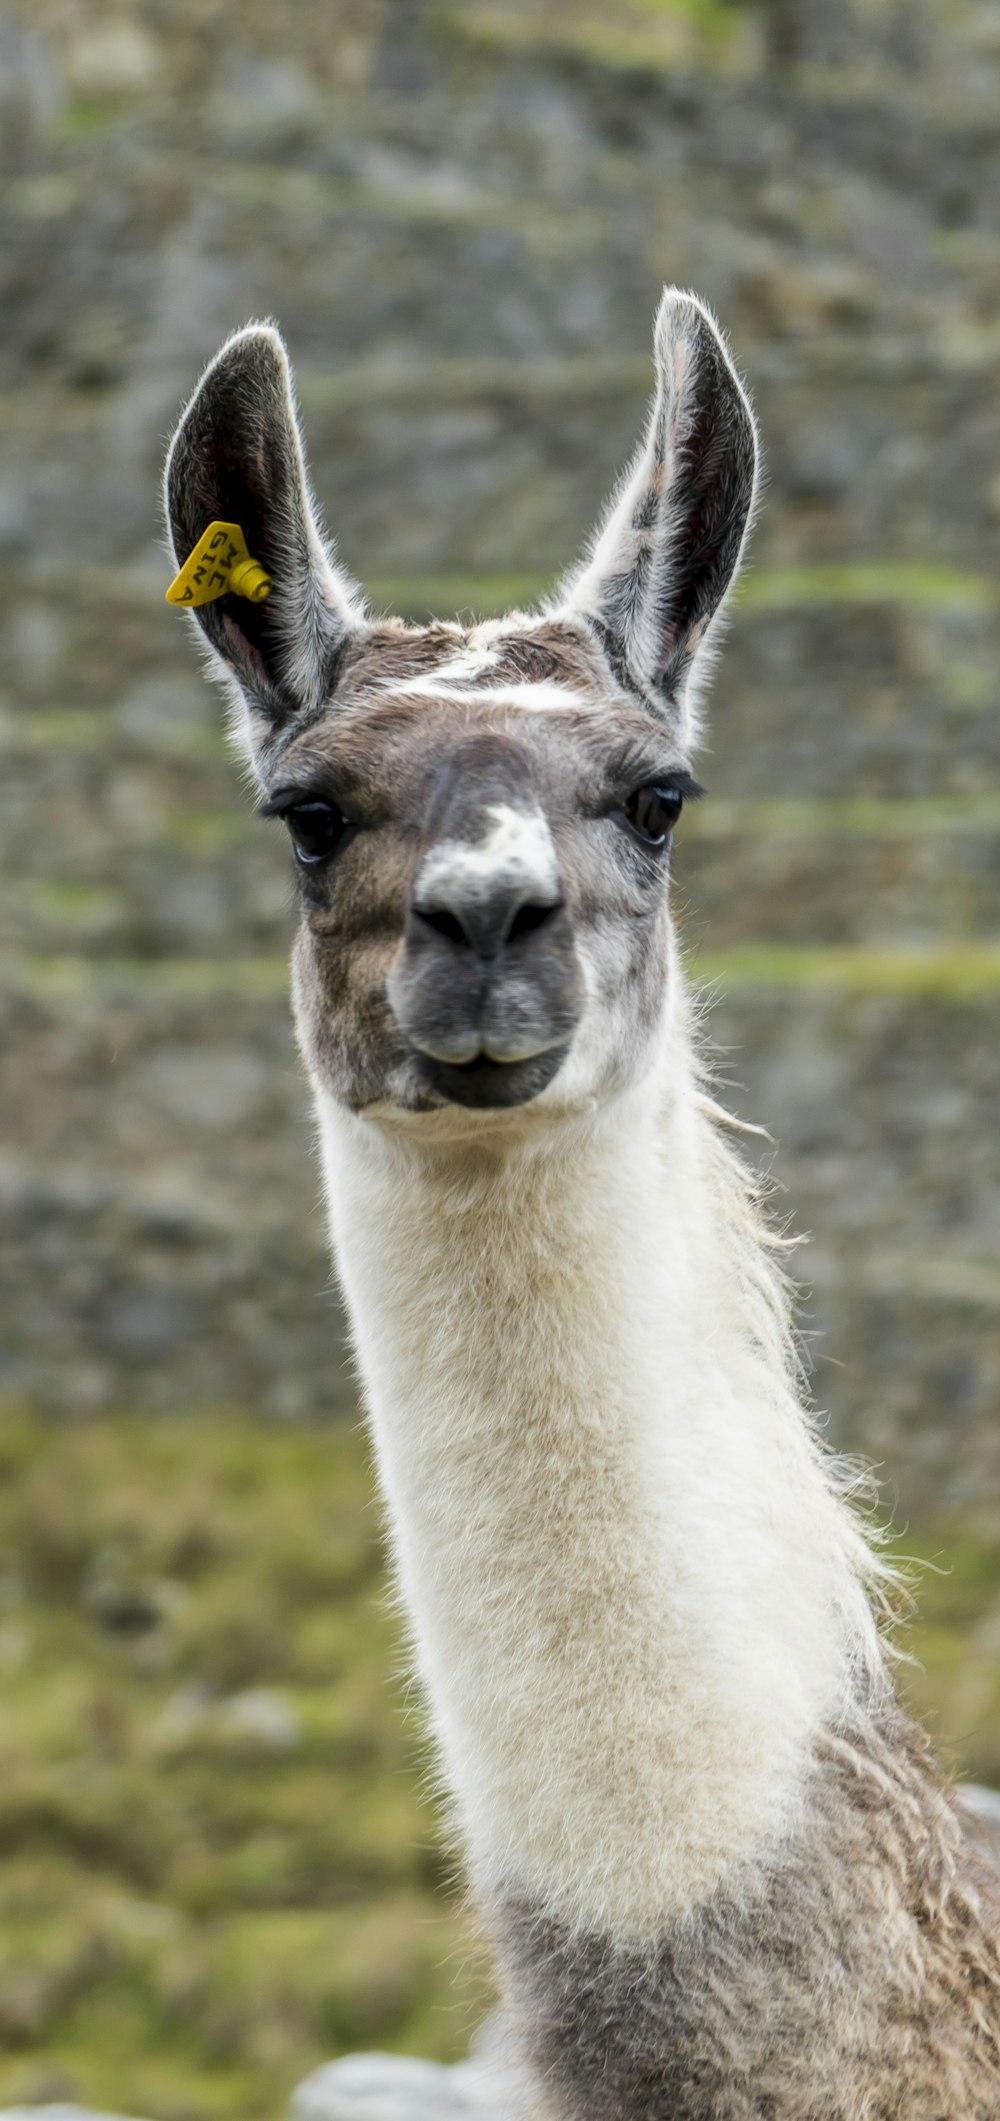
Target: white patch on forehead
(543,696)
(477,655)
(517,847)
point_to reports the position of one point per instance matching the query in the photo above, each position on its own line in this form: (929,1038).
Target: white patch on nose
(518,848)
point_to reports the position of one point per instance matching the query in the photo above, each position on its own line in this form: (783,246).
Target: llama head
(480,817)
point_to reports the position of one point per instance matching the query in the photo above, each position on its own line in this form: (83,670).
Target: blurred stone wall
(461,216)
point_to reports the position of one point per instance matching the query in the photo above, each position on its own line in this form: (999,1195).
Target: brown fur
(391,653)
(550,651)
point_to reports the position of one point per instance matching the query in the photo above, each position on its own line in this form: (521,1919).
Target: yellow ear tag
(220,563)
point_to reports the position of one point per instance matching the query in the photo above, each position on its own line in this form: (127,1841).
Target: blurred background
(218,1865)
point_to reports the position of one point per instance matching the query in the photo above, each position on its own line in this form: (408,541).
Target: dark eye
(653,811)
(318,830)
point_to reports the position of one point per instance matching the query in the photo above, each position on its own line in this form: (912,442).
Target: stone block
(395,2088)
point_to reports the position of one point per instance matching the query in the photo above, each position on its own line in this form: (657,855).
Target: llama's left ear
(668,550)
(237,458)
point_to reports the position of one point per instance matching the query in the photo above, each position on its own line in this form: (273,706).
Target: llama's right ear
(237,458)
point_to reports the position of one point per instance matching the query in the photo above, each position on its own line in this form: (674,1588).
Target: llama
(719,1876)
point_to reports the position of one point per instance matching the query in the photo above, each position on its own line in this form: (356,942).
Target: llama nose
(488,971)
(486,921)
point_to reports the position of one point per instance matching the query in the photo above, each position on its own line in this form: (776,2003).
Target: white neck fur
(636,1597)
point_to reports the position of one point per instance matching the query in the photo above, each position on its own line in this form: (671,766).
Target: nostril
(443,923)
(529,917)
(486,926)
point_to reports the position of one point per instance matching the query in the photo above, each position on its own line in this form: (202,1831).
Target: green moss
(963,973)
(84,118)
(953,1679)
(188,978)
(653,36)
(60,729)
(910,583)
(203,834)
(67,904)
(914,582)
(861,817)
(959,973)
(697,11)
(191,1915)
(57,729)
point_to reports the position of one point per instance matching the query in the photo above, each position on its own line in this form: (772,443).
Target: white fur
(476,655)
(543,695)
(517,850)
(634,1593)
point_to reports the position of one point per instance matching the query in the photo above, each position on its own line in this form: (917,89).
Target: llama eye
(653,812)
(318,830)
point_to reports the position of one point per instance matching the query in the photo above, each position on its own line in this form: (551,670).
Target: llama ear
(237,458)
(664,557)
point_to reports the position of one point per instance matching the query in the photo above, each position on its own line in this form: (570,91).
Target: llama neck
(635,1597)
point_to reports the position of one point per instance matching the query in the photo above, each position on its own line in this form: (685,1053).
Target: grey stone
(394,2088)
(982,1807)
(373,2088)
(263,101)
(111,59)
(263,1718)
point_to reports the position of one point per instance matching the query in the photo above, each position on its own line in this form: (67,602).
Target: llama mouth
(485,1084)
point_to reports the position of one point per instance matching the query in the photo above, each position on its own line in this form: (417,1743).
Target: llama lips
(484,1034)
(484,1084)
